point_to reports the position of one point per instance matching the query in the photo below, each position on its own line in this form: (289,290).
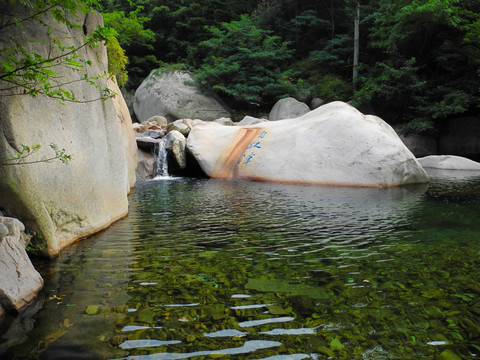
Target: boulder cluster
(150,133)
(334,144)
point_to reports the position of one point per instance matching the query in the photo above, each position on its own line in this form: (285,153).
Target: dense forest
(414,63)
(418,60)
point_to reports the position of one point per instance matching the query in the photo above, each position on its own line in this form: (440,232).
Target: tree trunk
(356,45)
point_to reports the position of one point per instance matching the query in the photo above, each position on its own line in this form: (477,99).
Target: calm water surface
(205,269)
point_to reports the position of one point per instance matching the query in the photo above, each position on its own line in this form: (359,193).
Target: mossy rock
(92,309)
(448,355)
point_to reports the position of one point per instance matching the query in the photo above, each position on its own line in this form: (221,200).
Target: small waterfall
(161,158)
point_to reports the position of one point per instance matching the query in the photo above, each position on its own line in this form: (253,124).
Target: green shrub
(330,88)
(117,61)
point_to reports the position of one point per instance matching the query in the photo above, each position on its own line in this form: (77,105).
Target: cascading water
(161,159)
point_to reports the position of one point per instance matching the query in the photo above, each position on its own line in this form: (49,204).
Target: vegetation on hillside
(419,60)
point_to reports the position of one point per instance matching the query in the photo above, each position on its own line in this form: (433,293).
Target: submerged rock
(334,144)
(448,355)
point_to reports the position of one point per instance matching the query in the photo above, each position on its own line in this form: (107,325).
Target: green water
(206,269)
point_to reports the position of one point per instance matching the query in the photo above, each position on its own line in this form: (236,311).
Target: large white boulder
(449,162)
(64,203)
(173,94)
(334,144)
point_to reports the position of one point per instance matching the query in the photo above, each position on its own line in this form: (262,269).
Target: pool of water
(205,269)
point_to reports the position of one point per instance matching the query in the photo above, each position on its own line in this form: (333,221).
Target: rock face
(449,162)
(20,282)
(176,143)
(288,108)
(146,165)
(64,203)
(334,144)
(174,95)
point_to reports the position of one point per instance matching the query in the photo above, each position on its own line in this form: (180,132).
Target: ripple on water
(210,268)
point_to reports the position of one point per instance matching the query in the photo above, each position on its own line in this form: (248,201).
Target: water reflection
(248,347)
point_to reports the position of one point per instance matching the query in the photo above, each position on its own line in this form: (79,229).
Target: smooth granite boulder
(183,126)
(64,203)
(224,121)
(449,162)
(316,102)
(334,144)
(158,120)
(174,95)
(250,120)
(288,108)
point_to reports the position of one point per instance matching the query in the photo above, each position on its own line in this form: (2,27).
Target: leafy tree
(246,63)
(22,157)
(427,66)
(419,59)
(29,72)
(322,37)
(136,41)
